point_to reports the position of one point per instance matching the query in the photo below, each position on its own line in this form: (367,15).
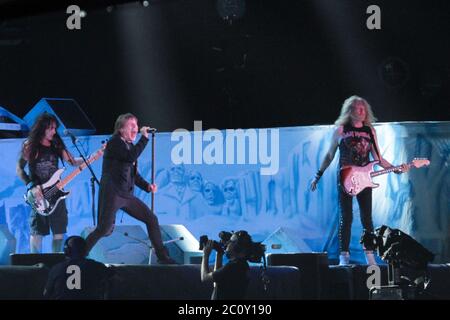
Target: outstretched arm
(120,150)
(67,156)
(328,157)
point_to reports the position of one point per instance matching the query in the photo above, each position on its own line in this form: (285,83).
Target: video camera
(220,246)
(254,251)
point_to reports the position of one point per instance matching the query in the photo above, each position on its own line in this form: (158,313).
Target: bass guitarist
(42,151)
(356,139)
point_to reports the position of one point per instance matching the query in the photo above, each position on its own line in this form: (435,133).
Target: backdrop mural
(274,208)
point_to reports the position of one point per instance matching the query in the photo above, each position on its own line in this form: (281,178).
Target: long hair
(121,120)
(347,106)
(38,132)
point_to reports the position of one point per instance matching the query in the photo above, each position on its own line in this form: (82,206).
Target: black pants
(109,203)
(346,215)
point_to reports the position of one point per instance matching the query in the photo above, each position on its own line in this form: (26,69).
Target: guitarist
(356,139)
(42,151)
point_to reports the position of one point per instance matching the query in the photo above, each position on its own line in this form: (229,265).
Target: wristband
(319,174)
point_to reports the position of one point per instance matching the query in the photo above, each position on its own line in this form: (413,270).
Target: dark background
(284,63)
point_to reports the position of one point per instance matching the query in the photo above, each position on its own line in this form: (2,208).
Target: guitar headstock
(420,162)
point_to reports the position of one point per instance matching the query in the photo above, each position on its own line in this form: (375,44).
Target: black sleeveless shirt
(355,146)
(45,165)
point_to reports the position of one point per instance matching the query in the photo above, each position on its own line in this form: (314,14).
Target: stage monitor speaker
(7,244)
(69,114)
(183,247)
(128,244)
(285,240)
(313,269)
(30,259)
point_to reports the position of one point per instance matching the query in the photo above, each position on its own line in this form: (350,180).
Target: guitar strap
(62,160)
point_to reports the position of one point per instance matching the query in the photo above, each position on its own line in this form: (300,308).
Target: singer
(41,151)
(119,175)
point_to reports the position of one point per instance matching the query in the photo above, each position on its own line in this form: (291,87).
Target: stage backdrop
(276,207)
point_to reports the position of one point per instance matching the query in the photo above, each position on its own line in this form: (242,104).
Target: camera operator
(92,276)
(230,281)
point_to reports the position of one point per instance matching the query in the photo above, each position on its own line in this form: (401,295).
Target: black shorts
(57,221)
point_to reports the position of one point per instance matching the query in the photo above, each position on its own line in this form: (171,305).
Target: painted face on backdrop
(208,193)
(177,173)
(229,190)
(130,130)
(195,181)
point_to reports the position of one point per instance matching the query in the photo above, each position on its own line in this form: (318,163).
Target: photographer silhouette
(230,281)
(77,278)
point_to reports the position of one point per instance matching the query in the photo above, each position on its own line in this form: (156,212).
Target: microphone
(151,130)
(71,135)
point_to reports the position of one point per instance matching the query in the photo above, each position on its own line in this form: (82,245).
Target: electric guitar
(355,179)
(44,198)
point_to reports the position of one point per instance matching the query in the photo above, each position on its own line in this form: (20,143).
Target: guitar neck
(77,171)
(379,173)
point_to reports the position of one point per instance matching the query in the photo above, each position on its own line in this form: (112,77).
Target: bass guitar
(44,198)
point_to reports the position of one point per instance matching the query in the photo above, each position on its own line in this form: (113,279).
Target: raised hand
(313,186)
(144,131)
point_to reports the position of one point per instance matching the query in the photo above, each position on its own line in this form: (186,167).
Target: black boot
(163,256)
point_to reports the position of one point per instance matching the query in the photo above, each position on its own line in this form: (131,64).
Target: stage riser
(153,282)
(183,282)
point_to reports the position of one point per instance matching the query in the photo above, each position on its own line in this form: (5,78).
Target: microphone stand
(153,171)
(151,246)
(93,178)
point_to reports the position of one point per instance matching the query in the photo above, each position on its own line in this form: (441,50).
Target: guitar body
(355,179)
(46,201)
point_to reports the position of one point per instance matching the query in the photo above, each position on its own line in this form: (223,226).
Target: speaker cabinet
(313,269)
(30,259)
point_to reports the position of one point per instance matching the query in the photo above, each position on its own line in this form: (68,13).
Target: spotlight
(145,3)
(83,14)
(404,255)
(109,9)
(396,246)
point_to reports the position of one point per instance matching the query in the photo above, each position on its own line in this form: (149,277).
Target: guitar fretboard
(378,173)
(78,170)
